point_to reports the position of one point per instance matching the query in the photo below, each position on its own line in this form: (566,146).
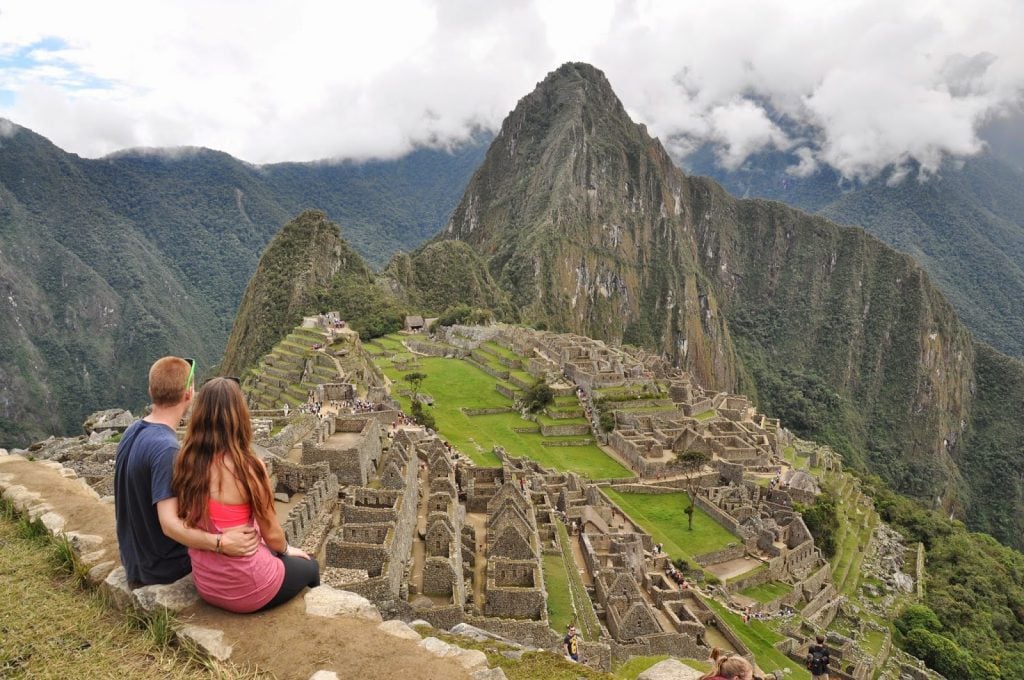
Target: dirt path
(733,568)
(581,563)
(284,641)
(419,548)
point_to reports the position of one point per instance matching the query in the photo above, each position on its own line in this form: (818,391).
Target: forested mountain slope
(964,225)
(106,264)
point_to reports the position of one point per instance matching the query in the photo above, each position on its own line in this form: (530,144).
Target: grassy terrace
(456,384)
(855,530)
(495,348)
(548,420)
(767,591)
(663,518)
(560,610)
(760,638)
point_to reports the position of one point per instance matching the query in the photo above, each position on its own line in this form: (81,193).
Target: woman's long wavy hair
(219,425)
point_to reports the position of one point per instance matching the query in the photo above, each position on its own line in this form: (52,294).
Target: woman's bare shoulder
(224,485)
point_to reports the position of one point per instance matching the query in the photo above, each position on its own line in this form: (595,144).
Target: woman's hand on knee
(297,552)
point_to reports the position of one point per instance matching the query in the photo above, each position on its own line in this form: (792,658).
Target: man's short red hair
(167,378)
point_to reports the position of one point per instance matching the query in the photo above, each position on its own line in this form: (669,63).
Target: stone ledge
(171,596)
(327,602)
(207,640)
(399,629)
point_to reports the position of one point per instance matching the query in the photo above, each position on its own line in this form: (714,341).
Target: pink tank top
(238,584)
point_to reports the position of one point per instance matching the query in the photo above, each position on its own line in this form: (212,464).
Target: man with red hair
(153,540)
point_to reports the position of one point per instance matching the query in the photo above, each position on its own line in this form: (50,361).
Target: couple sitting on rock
(209,508)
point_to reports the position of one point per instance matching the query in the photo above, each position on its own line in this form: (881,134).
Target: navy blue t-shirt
(143,470)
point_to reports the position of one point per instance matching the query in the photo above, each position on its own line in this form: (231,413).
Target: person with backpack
(818,659)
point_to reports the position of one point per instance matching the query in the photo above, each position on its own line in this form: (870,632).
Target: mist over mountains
(964,224)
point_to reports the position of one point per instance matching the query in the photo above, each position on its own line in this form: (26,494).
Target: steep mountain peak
(580,216)
(574,83)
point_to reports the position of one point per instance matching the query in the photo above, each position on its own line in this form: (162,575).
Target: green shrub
(822,520)
(538,397)
(918,616)
(423,416)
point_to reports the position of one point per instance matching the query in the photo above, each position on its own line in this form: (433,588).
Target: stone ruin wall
(353,464)
(339,391)
(385,561)
(320,499)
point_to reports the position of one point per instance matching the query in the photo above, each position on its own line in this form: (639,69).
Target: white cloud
(868,85)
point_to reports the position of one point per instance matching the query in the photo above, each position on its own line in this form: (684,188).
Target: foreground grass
(49,628)
(663,518)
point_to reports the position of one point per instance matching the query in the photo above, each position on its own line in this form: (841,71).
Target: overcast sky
(863,85)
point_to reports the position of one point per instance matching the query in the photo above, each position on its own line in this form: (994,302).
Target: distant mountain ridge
(106,264)
(964,225)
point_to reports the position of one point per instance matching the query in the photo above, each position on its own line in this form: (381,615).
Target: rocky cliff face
(584,220)
(581,217)
(811,302)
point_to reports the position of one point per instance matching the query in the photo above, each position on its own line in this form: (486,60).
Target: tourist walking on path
(152,539)
(221,483)
(571,644)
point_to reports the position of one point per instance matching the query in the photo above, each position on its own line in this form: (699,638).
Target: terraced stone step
(297,392)
(276,372)
(632,404)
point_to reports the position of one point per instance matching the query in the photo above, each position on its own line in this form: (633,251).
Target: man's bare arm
(236,541)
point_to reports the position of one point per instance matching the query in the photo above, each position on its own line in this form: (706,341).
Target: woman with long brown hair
(220,483)
(730,668)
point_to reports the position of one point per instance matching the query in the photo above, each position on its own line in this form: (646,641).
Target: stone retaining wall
(486,411)
(563,430)
(719,515)
(672,644)
(568,442)
(486,368)
(505,390)
(433,350)
(733,552)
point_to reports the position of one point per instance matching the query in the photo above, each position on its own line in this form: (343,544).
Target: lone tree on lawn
(691,463)
(415,380)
